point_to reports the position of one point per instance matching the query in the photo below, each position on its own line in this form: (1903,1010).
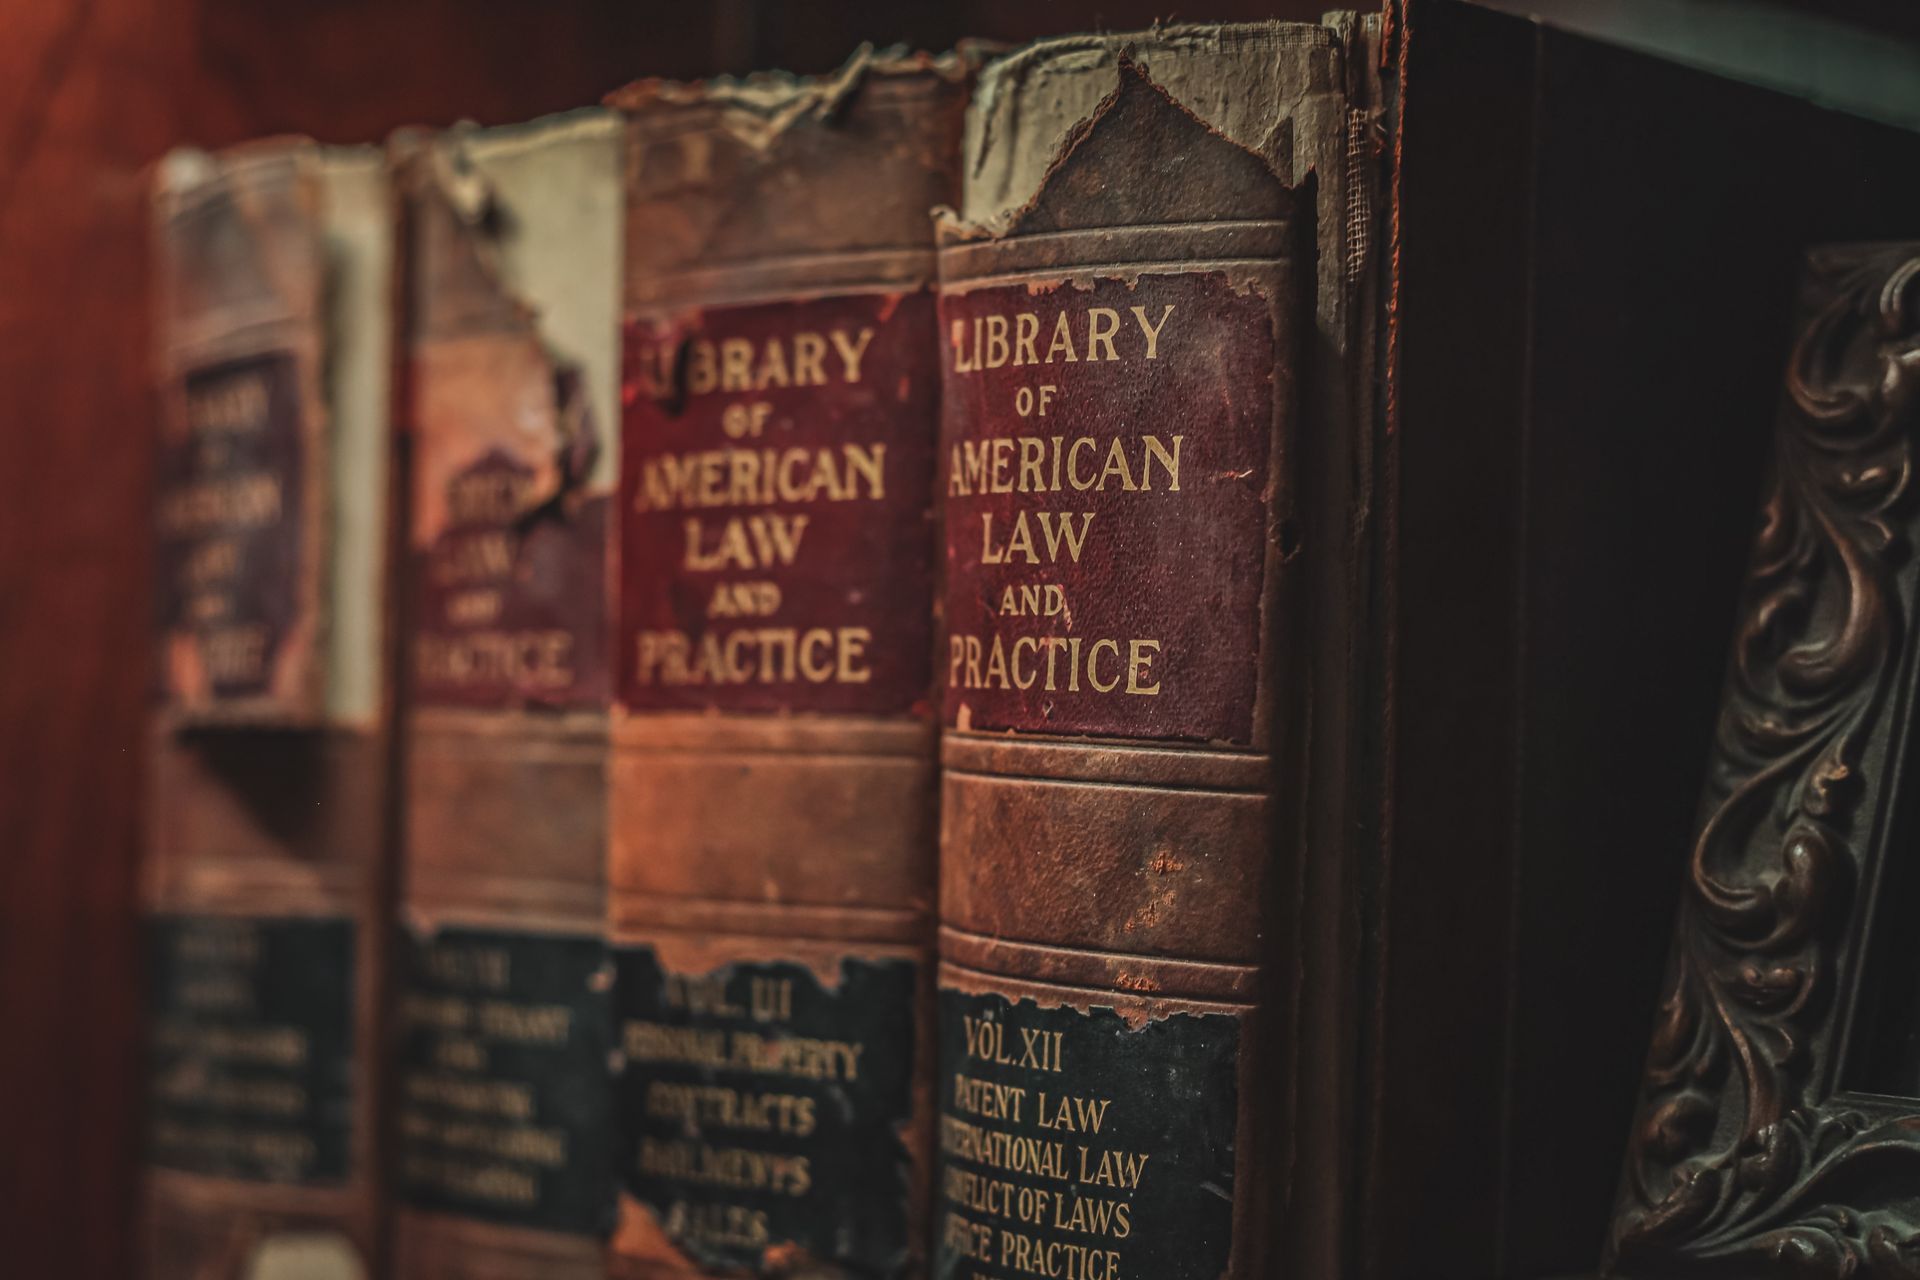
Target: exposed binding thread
(1359,228)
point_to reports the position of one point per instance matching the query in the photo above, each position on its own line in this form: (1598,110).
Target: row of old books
(783,677)
(549,530)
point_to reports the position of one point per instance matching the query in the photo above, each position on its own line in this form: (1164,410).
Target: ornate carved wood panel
(1754,1154)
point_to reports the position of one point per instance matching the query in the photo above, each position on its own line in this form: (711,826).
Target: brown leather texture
(1126,728)
(506,816)
(772,807)
(241,470)
(505,759)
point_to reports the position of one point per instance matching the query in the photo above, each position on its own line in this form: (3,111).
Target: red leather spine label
(776,545)
(231,473)
(509,544)
(1105,461)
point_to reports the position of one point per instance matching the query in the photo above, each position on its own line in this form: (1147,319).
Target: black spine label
(503,1099)
(252,1068)
(762,1112)
(1077,1144)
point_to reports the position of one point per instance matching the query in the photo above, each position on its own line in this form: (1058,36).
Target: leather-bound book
(772,782)
(1143,510)
(269,815)
(501,1131)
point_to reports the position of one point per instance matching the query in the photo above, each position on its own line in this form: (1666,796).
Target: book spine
(502,1130)
(772,775)
(1118,465)
(265,872)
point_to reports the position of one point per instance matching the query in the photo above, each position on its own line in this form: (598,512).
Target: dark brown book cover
(502,1137)
(269,812)
(772,773)
(1146,538)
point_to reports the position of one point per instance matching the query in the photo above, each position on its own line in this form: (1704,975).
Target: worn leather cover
(1146,529)
(265,886)
(501,1112)
(772,775)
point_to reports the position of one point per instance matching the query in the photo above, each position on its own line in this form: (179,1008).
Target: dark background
(1597,257)
(1598,263)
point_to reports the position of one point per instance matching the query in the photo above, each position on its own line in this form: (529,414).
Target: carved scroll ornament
(1747,1158)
